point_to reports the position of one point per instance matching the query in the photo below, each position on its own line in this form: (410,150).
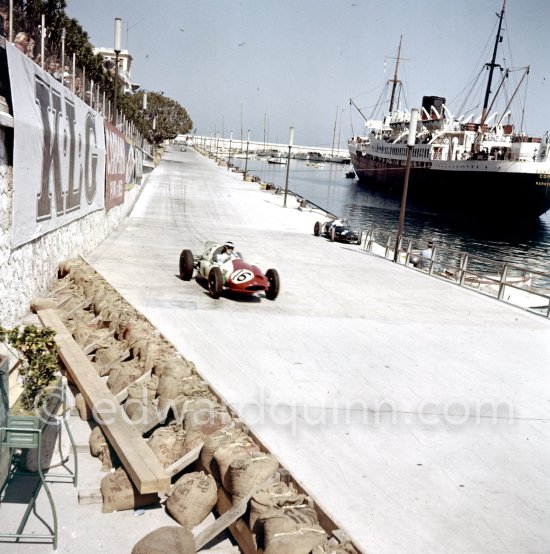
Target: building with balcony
(124,67)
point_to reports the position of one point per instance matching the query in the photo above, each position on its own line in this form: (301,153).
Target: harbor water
(521,243)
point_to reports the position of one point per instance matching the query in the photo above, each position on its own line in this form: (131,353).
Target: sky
(267,65)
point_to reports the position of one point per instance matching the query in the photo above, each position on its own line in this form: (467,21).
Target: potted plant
(41,380)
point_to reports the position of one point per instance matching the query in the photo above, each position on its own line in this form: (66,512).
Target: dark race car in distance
(336,230)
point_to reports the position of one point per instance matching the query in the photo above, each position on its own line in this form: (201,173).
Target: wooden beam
(93,496)
(84,304)
(121,396)
(185,461)
(143,467)
(89,348)
(104,370)
(229,514)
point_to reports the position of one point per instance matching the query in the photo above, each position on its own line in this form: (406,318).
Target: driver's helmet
(344,221)
(228,246)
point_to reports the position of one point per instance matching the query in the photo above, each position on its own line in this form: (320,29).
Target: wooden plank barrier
(138,459)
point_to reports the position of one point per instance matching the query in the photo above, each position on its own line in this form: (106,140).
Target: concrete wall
(29,270)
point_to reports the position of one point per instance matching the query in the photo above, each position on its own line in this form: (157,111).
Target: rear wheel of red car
(215,282)
(186,265)
(333,234)
(317,229)
(274,282)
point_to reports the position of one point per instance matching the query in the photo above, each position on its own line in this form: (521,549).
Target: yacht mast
(395,80)
(492,66)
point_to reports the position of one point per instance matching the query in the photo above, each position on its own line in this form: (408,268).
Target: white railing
(502,280)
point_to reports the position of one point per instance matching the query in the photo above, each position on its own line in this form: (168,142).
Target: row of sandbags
(282,520)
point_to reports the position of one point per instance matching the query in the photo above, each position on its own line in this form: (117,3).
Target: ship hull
(490,188)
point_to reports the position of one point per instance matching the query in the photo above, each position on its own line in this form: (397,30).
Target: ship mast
(395,80)
(492,66)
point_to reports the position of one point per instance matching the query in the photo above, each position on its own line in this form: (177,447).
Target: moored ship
(457,164)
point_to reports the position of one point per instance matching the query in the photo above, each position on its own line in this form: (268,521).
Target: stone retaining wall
(29,270)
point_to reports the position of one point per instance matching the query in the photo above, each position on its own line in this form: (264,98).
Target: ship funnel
(432,104)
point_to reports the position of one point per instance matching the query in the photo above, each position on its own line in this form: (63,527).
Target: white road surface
(416,413)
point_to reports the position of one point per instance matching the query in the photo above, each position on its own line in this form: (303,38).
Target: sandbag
(228,453)
(171,386)
(202,422)
(81,335)
(169,539)
(107,299)
(126,314)
(183,405)
(144,390)
(85,413)
(100,448)
(167,443)
(43,304)
(212,442)
(86,336)
(148,350)
(82,274)
(142,411)
(119,493)
(104,357)
(65,266)
(247,473)
(173,364)
(275,495)
(137,329)
(292,531)
(123,375)
(84,317)
(192,498)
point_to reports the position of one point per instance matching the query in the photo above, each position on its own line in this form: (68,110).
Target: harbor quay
(413,411)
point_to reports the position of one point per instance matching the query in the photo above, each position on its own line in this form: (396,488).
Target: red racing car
(233,274)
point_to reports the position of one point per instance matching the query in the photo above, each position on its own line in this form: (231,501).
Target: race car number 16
(241,276)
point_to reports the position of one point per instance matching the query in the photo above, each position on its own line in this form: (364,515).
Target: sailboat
(337,158)
(485,167)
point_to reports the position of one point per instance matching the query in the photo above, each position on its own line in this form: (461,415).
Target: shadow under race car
(336,230)
(233,275)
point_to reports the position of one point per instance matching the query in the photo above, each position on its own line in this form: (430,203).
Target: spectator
(4,19)
(57,73)
(67,77)
(78,87)
(426,256)
(21,41)
(30,49)
(50,65)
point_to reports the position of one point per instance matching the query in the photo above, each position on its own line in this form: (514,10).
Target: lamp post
(63,36)
(410,145)
(229,157)
(144,118)
(290,141)
(246,158)
(217,146)
(118,28)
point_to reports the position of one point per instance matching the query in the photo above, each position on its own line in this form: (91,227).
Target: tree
(172,119)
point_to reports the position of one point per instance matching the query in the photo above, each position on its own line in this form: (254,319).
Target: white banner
(59,152)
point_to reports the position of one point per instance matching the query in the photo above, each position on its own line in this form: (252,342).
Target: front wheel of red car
(186,265)
(274,282)
(215,282)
